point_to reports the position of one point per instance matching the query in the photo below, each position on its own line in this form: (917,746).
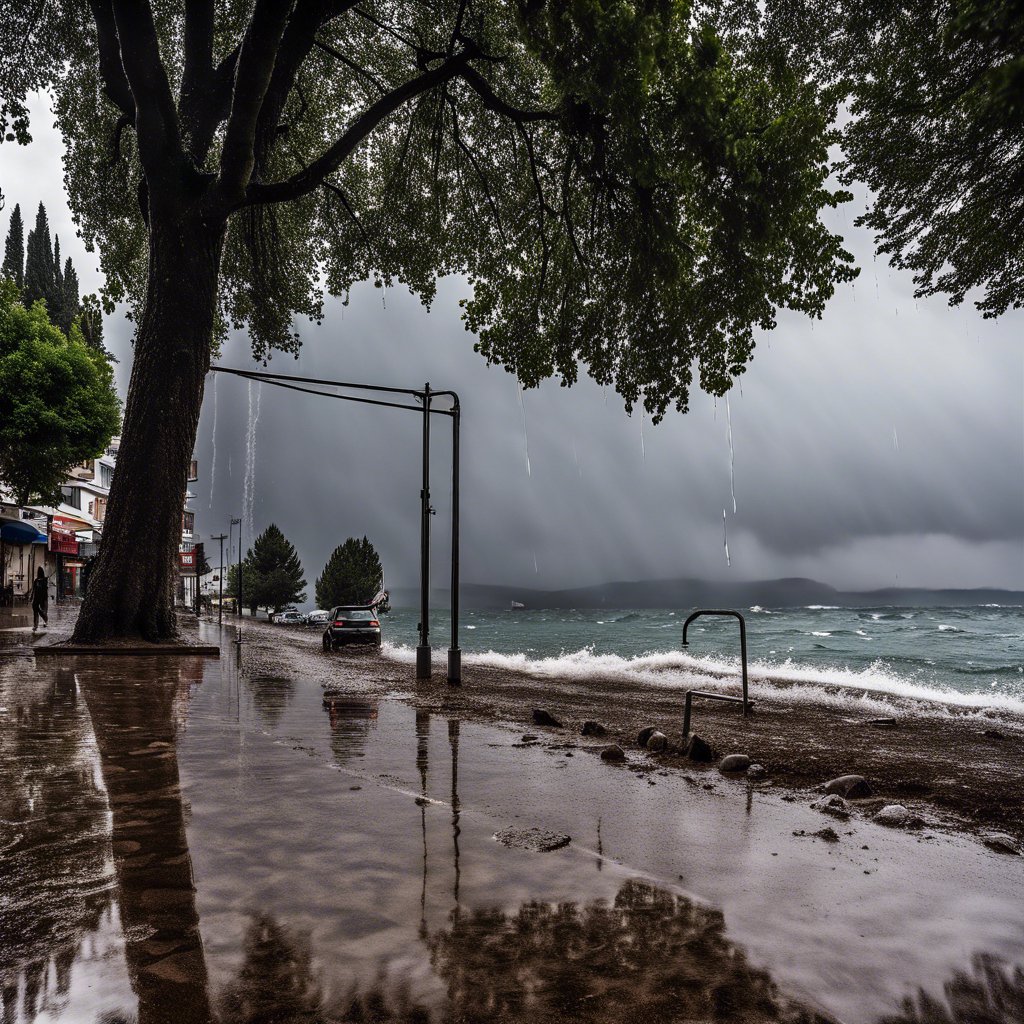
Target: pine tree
(14,249)
(55,296)
(70,307)
(39,274)
(352,575)
(272,574)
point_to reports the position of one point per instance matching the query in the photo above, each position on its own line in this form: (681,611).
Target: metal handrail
(690,694)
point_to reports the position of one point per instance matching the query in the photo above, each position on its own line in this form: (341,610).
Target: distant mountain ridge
(699,593)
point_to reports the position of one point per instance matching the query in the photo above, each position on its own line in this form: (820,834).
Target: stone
(593,729)
(1001,843)
(657,742)
(537,840)
(852,787)
(834,805)
(893,815)
(699,750)
(644,735)
(827,833)
(756,771)
(734,763)
(542,717)
(613,753)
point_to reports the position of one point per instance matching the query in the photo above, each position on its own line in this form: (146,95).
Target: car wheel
(328,646)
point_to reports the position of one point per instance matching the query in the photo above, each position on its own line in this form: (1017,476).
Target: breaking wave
(872,688)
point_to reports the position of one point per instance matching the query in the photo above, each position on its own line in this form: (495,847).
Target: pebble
(699,750)
(656,742)
(828,834)
(757,771)
(734,763)
(834,805)
(590,728)
(542,717)
(852,787)
(894,815)
(613,753)
(644,735)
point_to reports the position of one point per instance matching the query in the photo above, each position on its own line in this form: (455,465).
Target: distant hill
(698,593)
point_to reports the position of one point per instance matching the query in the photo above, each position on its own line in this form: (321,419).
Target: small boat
(517,604)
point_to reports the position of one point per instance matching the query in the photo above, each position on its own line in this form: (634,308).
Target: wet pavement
(183,842)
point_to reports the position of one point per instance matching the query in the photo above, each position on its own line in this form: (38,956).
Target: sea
(951,659)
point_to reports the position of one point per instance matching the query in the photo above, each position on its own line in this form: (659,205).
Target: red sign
(62,540)
(187,562)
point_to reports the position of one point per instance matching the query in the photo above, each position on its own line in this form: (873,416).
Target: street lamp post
(423,651)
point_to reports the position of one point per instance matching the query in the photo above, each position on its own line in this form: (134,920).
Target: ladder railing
(690,694)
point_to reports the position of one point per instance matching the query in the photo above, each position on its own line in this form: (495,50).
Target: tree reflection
(990,992)
(651,953)
(137,711)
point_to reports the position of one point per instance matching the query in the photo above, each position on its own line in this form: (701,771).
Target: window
(106,475)
(188,522)
(72,496)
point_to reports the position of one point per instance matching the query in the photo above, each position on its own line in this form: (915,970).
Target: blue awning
(20,533)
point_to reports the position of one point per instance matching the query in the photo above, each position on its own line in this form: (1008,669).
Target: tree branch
(197,74)
(115,83)
(309,178)
(253,73)
(331,187)
(349,63)
(156,117)
(494,102)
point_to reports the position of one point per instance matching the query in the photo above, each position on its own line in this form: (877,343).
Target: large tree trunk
(131,588)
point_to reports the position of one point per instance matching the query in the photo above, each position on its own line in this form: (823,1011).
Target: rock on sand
(697,749)
(539,840)
(734,763)
(613,753)
(834,805)
(590,728)
(852,787)
(644,735)
(656,742)
(895,816)
(542,717)
(1001,843)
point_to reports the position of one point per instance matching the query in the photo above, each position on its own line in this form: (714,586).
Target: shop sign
(187,562)
(62,539)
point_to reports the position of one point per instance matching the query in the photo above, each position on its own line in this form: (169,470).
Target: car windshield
(354,613)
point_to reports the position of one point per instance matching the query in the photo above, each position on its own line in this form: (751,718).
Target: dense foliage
(272,576)
(57,401)
(630,186)
(936,97)
(352,575)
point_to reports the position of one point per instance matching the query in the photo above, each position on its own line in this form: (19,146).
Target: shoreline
(938,762)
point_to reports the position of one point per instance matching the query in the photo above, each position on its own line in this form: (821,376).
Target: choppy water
(966,657)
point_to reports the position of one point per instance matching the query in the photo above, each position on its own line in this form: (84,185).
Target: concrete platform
(56,650)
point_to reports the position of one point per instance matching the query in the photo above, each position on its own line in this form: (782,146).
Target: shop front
(64,548)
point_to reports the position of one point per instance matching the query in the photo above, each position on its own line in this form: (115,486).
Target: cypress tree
(352,575)
(70,306)
(55,296)
(39,274)
(14,249)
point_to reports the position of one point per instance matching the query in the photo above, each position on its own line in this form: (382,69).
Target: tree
(14,249)
(632,185)
(90,321)
(272,576)
(39,261)
(936,94)
(57,401)
(352,575)
(70,306)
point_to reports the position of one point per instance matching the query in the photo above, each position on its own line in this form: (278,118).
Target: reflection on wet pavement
(182,843)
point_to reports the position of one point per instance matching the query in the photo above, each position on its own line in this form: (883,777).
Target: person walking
(40,599)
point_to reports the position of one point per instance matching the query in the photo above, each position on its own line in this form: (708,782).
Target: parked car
(319,617)
(352,624)
(276,616)
(289,618)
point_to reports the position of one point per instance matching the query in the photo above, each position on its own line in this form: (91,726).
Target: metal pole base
(454,666)
(423,662)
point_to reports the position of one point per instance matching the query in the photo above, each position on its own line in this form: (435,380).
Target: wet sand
(193,839)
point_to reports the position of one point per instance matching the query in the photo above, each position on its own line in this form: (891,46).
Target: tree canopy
(353,575)
(935,94)
(630,186)
(58,406)
(272,574)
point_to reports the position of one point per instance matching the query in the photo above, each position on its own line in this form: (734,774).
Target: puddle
(180,843)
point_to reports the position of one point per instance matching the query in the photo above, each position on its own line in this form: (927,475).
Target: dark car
(352,624)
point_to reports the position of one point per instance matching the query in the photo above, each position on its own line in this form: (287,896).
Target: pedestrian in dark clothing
(40,599)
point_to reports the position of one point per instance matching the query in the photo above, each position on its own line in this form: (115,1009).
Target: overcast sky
(883,445)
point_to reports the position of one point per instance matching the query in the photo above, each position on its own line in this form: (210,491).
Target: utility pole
(220,576)
(423,651)
(238,523)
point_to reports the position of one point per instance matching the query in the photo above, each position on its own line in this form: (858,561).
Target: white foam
(946,628)
(815,632)
(677,670)
(822,607)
